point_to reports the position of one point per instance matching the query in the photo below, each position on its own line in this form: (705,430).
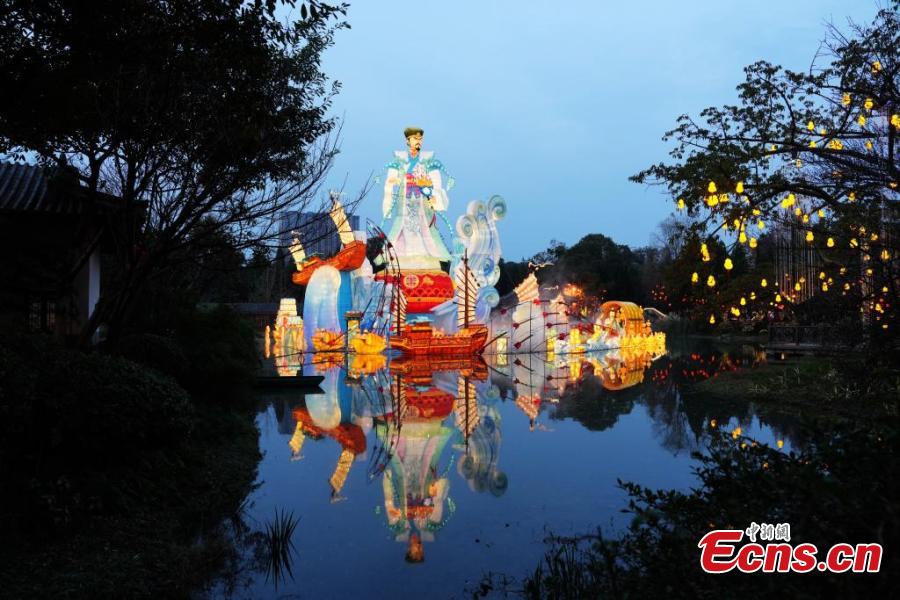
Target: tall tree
(814,151)
(206,116)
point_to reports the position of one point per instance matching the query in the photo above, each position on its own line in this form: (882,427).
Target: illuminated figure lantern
(414,199)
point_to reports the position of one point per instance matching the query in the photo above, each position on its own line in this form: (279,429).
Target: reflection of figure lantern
(415,489)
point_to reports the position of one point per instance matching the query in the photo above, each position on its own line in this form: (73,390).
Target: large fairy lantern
(415,196)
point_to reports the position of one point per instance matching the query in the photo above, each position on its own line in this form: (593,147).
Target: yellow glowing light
(712,319)
(876,66)
(728,264)
(884,289)
(681,204)
(797,287)
(809,236)
(753,295)
(743,301)
(869,145)
(824,286)
(695,277)
(711,188)
(846,99)
(836,145)
(739,188)
(821,274)
(780,443)
(811,126)
(861,119)
(868,104)
(885,255)
(760,224)
(854,243)
(812,143)
(742,238)
(711,281)
(895,121)
(712,200)
(753,242)
(712,423)
(777,297)
(773,148)
(704,252)
(821,213)
(799,163)
(763,283)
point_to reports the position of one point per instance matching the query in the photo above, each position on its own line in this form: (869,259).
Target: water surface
(478,461)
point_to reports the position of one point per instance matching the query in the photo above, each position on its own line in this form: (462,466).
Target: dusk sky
(553,105)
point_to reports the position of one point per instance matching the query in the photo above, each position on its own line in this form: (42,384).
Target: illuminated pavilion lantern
(352,319)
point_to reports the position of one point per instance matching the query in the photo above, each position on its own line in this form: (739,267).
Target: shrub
(68,420)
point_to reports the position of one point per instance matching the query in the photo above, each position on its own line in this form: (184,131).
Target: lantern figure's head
(413,137)
(415,552)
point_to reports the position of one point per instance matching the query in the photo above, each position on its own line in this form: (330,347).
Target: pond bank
(117,482)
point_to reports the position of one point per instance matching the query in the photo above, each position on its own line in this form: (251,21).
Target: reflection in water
(427,433)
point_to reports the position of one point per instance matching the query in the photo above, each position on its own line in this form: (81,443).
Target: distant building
(317,230)
(53,232)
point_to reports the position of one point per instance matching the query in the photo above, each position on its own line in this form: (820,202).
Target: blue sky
(553,105)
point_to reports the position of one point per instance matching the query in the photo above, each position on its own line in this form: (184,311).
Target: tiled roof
(27,188)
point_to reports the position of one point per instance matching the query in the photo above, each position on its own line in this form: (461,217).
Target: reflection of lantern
(353,317)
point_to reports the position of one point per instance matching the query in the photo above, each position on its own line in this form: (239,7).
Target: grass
(280,548)
(846,389)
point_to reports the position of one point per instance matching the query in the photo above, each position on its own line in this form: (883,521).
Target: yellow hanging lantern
(711,281)
(728,264)
(764,283)
(711,188)
(809,236)
(830,243)
(695,277)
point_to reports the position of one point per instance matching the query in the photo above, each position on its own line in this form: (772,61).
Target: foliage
(212,353)
(813,152)
(69,419)
(204,117)
(115,483)
(597,264)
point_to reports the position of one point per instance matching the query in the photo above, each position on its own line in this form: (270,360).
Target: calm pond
(476,464)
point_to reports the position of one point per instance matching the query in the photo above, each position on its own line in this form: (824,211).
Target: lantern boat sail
(422,338)
(350,257)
